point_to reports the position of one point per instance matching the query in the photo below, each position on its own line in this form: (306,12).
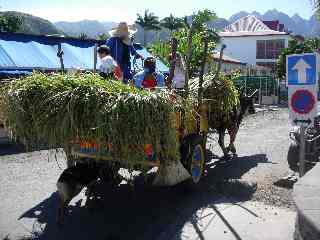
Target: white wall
(245,48)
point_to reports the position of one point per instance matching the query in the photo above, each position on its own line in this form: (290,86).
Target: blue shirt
(139,77)
(117,48)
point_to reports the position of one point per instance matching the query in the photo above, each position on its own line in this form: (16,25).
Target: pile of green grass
(220,93)
(57,109)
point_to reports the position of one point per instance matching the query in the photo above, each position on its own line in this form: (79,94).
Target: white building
(252,41)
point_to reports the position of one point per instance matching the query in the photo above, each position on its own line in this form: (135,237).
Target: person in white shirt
(178,78)
(108,64)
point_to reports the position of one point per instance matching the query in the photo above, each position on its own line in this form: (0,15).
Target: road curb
(306,195)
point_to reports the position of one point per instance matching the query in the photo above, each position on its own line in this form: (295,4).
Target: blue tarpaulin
(21,51)
(138,64)
(48,40)
(30,52)
(13,73)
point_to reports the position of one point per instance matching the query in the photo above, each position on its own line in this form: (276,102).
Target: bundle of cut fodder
(221,95)
(60,108)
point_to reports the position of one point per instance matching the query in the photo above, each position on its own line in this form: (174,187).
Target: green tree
(163,49)
(103,36)
(149,21)
(201,32)
(316,4)
(295,47)
(10,23)
(200,19)
(172,23)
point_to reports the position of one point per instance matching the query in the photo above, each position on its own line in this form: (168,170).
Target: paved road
(29,201)
(263,142)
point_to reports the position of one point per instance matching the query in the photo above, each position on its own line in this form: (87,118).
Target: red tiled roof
(273,25)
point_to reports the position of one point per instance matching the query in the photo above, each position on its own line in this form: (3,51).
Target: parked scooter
(312,153)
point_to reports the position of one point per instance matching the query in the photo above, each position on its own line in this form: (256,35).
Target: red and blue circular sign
(302,101)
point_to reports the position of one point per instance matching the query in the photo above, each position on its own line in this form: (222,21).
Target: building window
(261,49)
(270,65)
(269,49)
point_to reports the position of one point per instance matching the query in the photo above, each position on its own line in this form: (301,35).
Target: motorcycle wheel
(293,157)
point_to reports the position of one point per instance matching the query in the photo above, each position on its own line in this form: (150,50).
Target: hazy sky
(117,10)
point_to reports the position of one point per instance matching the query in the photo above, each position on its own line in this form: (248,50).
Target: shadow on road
(143,212)
(221,185)
(11,148)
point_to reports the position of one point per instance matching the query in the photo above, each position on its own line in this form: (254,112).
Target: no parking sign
(302,79)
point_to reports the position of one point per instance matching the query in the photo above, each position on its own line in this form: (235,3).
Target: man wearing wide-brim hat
(122,48)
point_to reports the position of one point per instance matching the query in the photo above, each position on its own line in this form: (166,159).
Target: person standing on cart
(122,48)
(178,77)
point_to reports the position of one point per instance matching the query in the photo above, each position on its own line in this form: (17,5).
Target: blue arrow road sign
(302,69)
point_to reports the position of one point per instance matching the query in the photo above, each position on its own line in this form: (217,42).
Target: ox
(232,122)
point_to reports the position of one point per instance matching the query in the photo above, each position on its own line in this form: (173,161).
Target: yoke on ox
(232,122)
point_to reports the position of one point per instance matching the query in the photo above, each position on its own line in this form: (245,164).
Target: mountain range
(295,24)
(92,28)
(34,25)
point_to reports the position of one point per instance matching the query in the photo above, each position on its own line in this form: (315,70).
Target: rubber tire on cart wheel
(109,173)
(293,157)
(193,156)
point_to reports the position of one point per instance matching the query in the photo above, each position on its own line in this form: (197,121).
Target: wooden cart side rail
(100,157)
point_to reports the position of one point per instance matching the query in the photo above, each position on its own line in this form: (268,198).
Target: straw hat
(124,31)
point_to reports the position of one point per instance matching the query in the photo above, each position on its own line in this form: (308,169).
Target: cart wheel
(71,160)
(110,173)
(197,163)
(193,156)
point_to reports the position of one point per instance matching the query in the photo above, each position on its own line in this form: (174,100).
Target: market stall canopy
(138,64)
(22,51)
(30,52)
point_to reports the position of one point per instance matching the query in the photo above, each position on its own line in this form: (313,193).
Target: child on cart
(108,64)
(149,78)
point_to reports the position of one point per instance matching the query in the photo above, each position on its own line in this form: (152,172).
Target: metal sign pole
(260,89)
(302,152)
(266,94)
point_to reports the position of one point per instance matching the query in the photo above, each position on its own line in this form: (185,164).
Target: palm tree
(83,36)
(316,4)
(103,36)
(172,23)
(148,22)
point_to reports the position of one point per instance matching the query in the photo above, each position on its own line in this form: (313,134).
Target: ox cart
(191,136)
(75,98)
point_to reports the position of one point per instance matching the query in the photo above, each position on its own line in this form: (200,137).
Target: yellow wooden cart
(191,134)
